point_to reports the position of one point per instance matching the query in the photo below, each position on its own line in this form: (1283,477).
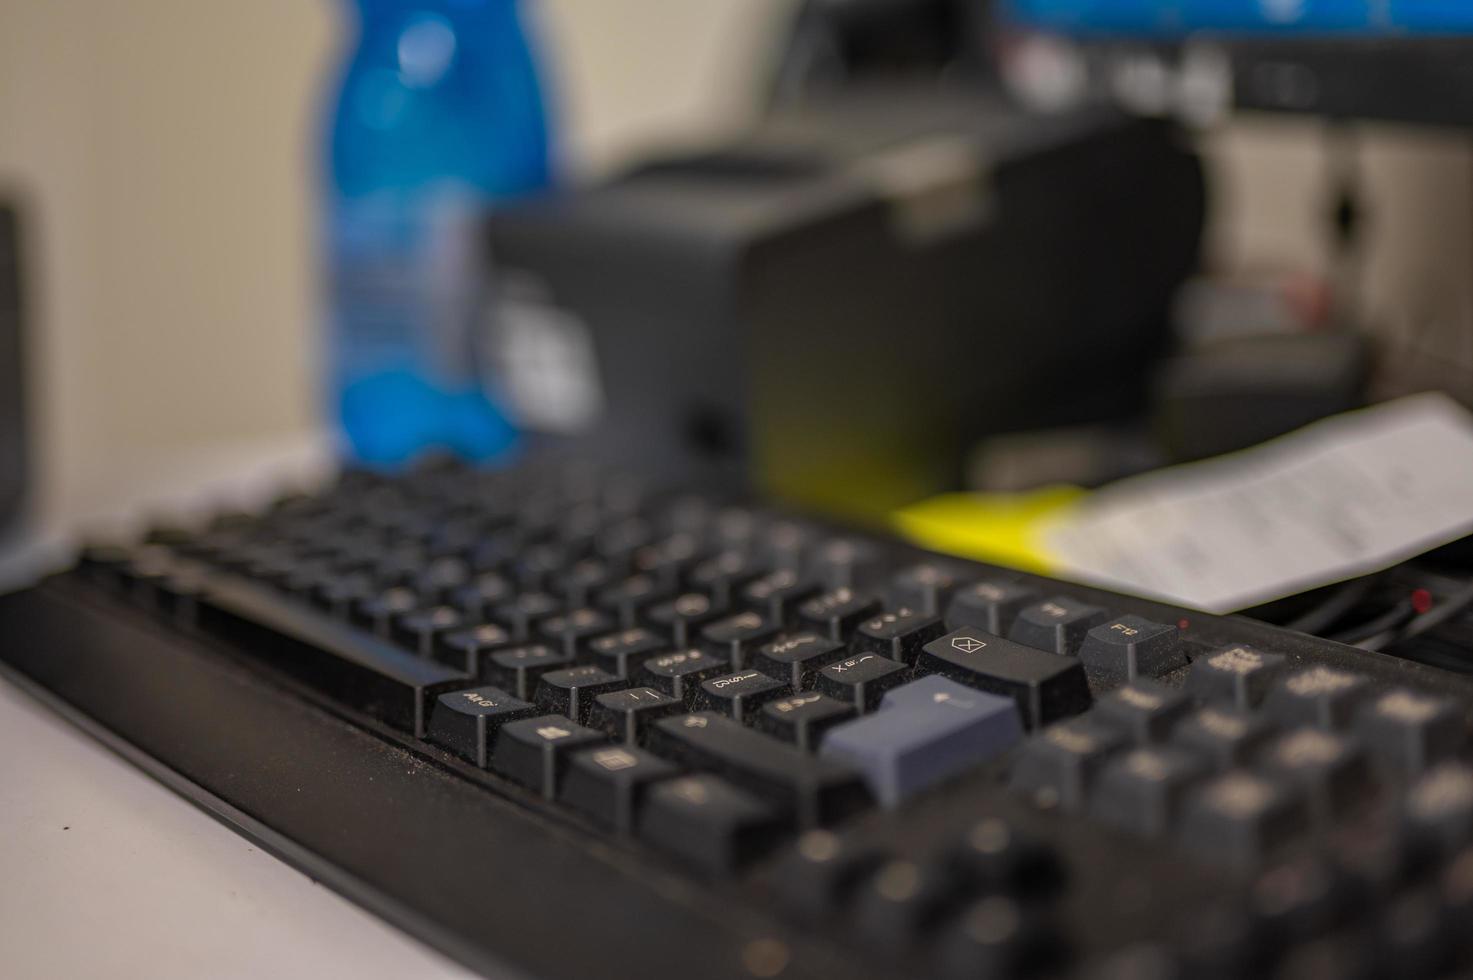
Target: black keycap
(571,631)
(681,618)
(995,856)
(620,652)
(734,636)
(481,594)
(466,722)
(797,658)
(1239,676)
(1239,819)
(669,560)
(988,606)
(618,542)
(1056,767)
(708,822)
(1045,686)
(420,629)
(778,594)
(1320,696)
(802,719)
(378,611)
(785,544)
(737,695)
(583,581)
(838,613)
(439,580)
(679,674)
(628,599)
(1127,647)
(607,783)
(1139,791)
(1410,732)
(466,649)
(927,588)
(898,635)
(1331,771)
(816,880)
(522,614)
(723,576)
(861,680)
(571,690)
(350,666)
(1221,735)
(340,594)
(1144,710)
(808,788)
(1058,625)
(518,668)
(625,715)
(844,563)
(900,901)
(1438,808)
(534,751)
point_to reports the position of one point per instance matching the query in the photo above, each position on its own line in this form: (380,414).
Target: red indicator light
(1421,600)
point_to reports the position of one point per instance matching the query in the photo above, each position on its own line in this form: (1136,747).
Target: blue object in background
(438,113)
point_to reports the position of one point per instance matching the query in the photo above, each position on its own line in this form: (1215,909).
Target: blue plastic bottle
(439,112)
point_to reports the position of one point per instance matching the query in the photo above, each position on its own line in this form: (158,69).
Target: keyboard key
(353,667)
(377,612)
(534,751)
(1239,819)
(680,674)
(996,936)
(1438,808)
(1330,770)
(1222,736)
(802,719)
(926,588)
(681,618)
(522,614)
(1140,790)
(1046,687)
(838,613)
(1410,732)
(778,594)
(1058,625)
(1239,676)
(439,579)
(844,563)
(899,902)
(898,635)
(667,561)
(607,783)
(1056,767)
(1320,696)
(990,607)
(466,722)
(708,822)
(465,649)
(571,690)
(737,695)
(572,630)
(935,732)
(734,636)
(797,658)
(996,857)
(861,680)
(813,790)
(628,600)
(420,629)
(481,594)
(625,715)
(817,880)
(620,652)
(518,668)
(1128,647)
(1144,710)
(724,576)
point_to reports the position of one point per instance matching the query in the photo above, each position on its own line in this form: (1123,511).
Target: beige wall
(166,149)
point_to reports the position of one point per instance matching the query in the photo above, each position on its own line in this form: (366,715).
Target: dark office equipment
(665,747)
(841,304)
(12,390)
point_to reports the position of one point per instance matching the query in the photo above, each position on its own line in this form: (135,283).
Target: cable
(1431,619)
(1337,604)
(1387,621)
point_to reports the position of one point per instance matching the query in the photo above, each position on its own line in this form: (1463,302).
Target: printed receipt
(1334,500)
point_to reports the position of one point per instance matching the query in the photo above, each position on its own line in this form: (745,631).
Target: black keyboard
(555,721)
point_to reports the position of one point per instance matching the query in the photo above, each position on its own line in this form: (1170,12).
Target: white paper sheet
(1337,499)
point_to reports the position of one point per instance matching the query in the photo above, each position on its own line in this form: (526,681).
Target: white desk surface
(104,872)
